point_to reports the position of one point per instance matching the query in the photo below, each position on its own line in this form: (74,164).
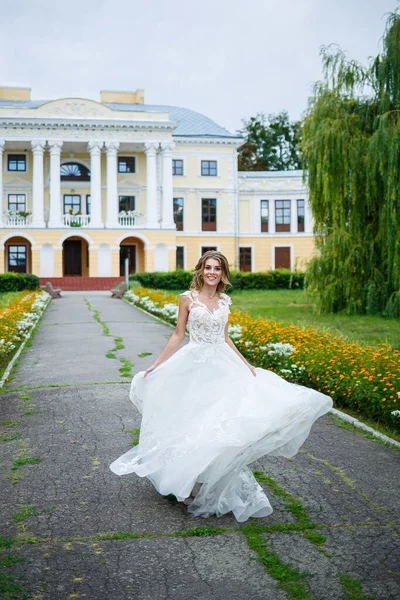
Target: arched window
(73,171)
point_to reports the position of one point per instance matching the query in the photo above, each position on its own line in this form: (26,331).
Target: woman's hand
(252,369)
(149,370)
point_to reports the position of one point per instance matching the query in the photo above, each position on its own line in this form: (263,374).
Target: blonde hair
(198,280)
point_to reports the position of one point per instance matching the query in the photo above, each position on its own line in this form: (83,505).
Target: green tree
(351,145)
(272,143)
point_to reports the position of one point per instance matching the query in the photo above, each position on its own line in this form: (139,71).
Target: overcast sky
(228,59)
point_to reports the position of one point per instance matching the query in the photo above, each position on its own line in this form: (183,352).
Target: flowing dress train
(205,417)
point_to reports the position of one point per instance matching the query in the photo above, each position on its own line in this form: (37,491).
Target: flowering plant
(17,213)
(17,320)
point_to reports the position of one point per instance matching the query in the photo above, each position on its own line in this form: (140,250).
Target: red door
(282,257)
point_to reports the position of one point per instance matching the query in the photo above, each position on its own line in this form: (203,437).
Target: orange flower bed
(364,379)
(17,320)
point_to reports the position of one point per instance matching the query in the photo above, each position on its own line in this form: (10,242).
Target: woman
(207,412)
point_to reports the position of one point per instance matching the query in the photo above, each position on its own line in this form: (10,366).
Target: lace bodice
(206,327)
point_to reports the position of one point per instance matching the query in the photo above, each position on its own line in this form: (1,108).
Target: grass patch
(27,511)
(143,354)
(10,437)
(10,424)
(202,532)
(10,586)
(20,462)
(342,475)
(135,436)
(294,307)
(118,346)
(289,579)
(126,368)
(353,589)
(6,542)
(295,507)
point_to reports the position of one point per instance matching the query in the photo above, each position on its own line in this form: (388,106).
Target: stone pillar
(167,201)
(271,216)
(151,181)
(95,183)
(112,185)
(38,184)
(293,215)
(2,144)
(55,187)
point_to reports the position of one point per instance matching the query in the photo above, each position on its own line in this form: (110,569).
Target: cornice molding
(211,141)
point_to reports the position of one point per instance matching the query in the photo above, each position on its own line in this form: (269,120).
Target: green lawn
(294,307)
(8,298)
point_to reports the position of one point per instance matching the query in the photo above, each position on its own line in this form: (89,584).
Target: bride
(207,413)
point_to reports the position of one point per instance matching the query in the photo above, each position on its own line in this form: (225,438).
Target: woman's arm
(176,338)
(232,345)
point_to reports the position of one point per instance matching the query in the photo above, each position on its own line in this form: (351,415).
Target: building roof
(189,122)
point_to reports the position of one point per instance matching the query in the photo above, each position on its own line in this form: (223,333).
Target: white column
(308,218)
(151,180)
(2,144)
(293,215)
(167,201)
(55,184)
(38,184)
(271,216)
(112,184)
(95,184)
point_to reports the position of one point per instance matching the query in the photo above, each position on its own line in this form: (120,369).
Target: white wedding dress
(205,417)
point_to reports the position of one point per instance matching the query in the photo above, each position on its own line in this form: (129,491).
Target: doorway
(72,257)
(128,252)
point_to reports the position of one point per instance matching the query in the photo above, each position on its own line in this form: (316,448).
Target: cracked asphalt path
(75,415)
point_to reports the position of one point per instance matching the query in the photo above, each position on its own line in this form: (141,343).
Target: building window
(17,202)
(72,204)
(205,249)
(72,171)
(88,204)
(16,162)
(209,214)
(282,215)
(177,167)
(17,258)
(282,257)
(126,203)
(209,168)
(245,259)
(178,213)
(264,210)
(180,257)
(126,164)
(300,215)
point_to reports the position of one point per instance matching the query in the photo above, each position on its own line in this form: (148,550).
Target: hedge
(16,282)
(180,280)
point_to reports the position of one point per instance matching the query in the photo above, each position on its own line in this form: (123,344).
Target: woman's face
(212,272)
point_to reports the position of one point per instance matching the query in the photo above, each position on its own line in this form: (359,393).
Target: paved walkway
(86,533)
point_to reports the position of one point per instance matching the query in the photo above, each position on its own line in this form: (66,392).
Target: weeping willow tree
(351,143)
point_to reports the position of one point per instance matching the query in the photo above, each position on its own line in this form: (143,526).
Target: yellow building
(85,185)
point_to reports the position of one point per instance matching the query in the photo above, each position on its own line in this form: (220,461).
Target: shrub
(180,280)
(16,282)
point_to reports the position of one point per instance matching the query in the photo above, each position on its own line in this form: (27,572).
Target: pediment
(126,183)
(75,107)
(17,182)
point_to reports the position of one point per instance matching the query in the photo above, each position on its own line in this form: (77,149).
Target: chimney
(19,94)
(111,97)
